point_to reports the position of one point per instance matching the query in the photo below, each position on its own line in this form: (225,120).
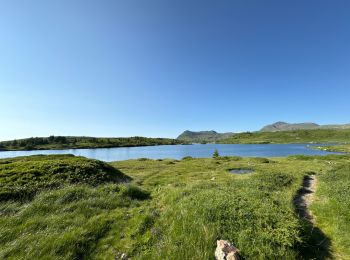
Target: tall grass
(63,224)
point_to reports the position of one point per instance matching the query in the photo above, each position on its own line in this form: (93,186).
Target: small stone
(226,251)
(212,179)
(122,256)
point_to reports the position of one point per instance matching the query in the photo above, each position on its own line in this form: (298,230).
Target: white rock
(226,251)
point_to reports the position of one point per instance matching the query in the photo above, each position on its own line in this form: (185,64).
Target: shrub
(216,154)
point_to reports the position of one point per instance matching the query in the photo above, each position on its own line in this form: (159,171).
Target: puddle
(241,171)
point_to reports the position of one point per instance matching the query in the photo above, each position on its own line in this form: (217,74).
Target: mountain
(213,136)
(344,126)
(283,126)
(202,136)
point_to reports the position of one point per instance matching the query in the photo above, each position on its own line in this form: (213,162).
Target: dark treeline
(61,142)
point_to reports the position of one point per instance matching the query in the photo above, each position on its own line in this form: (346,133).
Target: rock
(121,256)
(226,251)
(212,179)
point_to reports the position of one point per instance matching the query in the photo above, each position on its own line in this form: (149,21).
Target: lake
(180,151)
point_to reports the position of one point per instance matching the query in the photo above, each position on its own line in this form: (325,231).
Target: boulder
(226,251)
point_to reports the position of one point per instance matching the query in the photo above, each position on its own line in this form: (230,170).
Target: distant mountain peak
(283,126)
(202,136)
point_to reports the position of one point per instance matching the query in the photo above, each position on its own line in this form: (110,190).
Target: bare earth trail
(317,244)
(305,197)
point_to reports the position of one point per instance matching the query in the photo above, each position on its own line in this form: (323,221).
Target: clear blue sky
(156,68)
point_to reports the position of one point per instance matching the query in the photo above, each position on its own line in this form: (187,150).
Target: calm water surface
(180,151)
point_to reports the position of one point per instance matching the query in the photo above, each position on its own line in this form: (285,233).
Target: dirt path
(305,196)
(316,243)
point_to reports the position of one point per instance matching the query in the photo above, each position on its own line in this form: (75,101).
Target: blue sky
(157,68)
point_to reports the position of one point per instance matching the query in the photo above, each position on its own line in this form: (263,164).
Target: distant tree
(29,147)
(216,153)
(14,142)
(61,139)
(51,139)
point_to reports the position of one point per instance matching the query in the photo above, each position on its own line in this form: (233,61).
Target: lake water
(180,151)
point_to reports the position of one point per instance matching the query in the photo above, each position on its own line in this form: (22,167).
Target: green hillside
(76,142)
(295,136)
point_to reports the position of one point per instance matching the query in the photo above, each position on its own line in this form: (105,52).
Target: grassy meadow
(170,209)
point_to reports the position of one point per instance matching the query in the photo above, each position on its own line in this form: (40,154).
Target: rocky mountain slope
(283,126)
(202,136)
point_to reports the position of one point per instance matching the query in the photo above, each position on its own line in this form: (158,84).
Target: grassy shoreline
(341,148)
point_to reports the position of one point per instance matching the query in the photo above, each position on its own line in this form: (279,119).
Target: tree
(216,153)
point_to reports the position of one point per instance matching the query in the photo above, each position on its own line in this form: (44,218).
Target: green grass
(296,136)
(169,209)
(65,223)
(332,207)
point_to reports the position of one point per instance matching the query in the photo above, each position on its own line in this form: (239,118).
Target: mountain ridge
(279,126)
(202,136)
(283,126)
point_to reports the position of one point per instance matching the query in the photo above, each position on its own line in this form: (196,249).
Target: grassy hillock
(295,136)
(76,142)
(170,209)
(23,177)
(60,207)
